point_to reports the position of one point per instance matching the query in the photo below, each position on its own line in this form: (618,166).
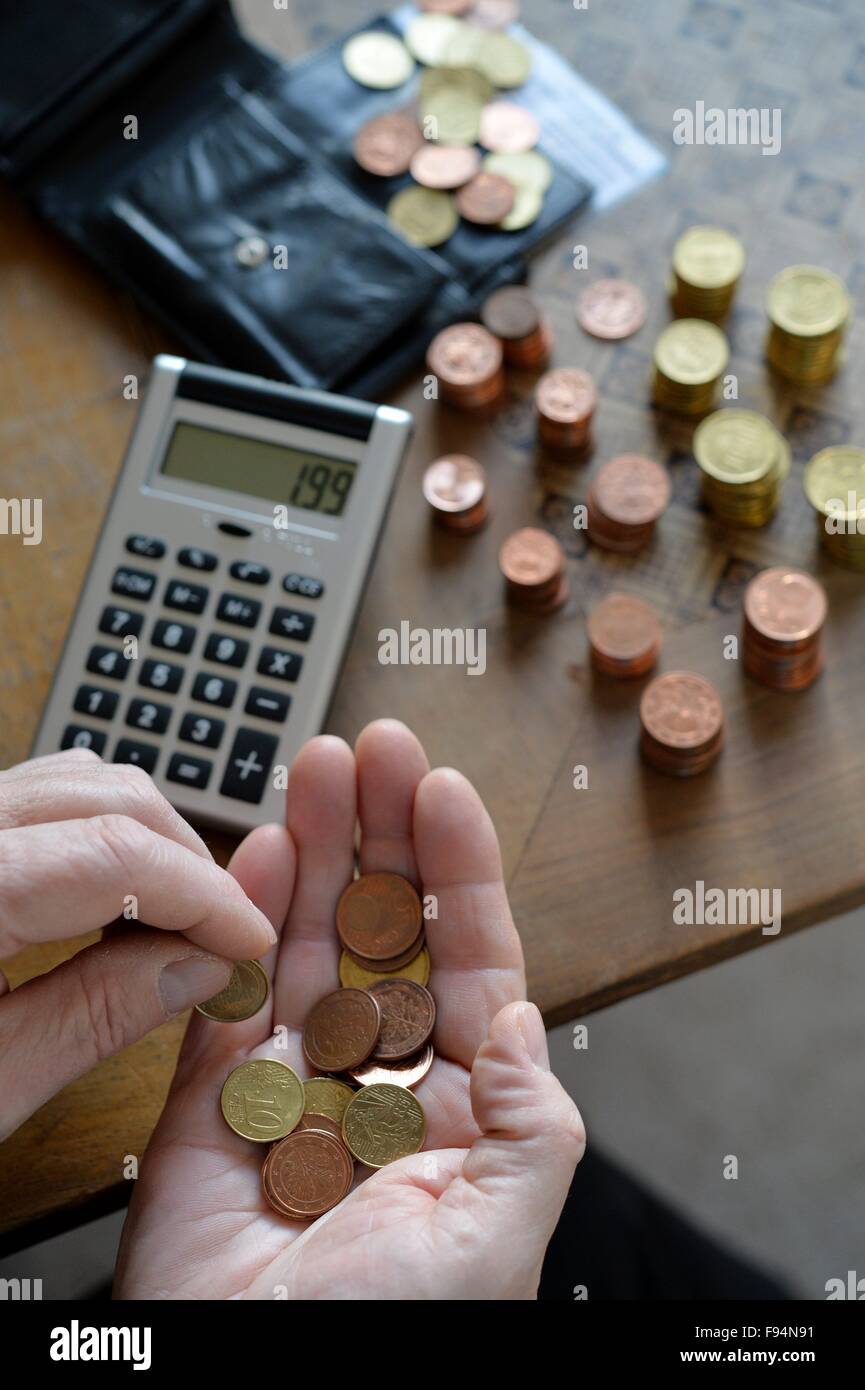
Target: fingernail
(531,1030)
(192,980)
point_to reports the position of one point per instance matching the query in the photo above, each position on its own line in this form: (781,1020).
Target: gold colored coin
(708,257)
(503,59)
(262,1100)
(376,59)
(462,49)
(736,446)
(451,116)
(528,169)
(807,301)
(467,80)
(325,1096)
(835,482)
(424,216)
(691,352)
(354,976)
(526,210)
(383,1123)
(243,996)
(428,36)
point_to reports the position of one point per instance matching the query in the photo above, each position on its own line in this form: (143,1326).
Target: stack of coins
(835,487)
(533,564)
(466,360)
(624,502)
(690,359)
(785,610)
(681,724)
(565,401)
(455,488)
(744,462)
(809,309)
(707,264)
(624,636)
(512,315)
(611,309)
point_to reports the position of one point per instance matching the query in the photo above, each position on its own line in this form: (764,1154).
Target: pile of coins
(624,502)
(691,356)
(374,1033)
(533,564)
(467,361)
(565,401)
(681,724)
(744,462)
(809,309)
(624,636)
(835,487)
(707,264)
(513,317)
(455,488)
(785,610)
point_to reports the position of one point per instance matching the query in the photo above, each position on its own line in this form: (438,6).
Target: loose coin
(408,1072)
(243,996)
(408,1014)
(527,170)
(378,917)
(428,36)
(385,145)
(503,59)
(262,1100)
(451,115)
(508,128)
(526,210)
(322,1123)
(341,1030)
(324,1095)
(307,1174)
(485,200)
(423,216)
(611,309)
(444,166)
(376,59)
(355,976)
(391,964)
(383,1123)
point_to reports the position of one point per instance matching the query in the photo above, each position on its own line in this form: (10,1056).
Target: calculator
(210,632)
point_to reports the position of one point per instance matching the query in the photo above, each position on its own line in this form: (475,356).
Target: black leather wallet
(231,149)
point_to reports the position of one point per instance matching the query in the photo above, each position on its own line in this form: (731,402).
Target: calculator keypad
(281,665)
(267,704)
(214,690)
(195,559)
(149,547)
(174,637)
(161,675)
(227,651)
(147,714)
(202,729)
(192,772)
(248,765)
(234,609)
(290,622)
(98,703)
(107,661)
(133,583)
(141,754)
(249,572)
(189,598)
(121,622)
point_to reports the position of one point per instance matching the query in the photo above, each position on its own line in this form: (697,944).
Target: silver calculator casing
(336,551)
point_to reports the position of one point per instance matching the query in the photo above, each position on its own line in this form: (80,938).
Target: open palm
(470,1216)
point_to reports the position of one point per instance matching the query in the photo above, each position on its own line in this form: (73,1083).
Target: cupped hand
(83,843)
(470,1216)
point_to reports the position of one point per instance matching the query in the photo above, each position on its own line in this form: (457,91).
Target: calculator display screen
(292,477)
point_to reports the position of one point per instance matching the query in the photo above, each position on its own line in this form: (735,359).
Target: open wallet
(233,148)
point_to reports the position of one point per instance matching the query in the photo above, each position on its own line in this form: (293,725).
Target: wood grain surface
(591,872)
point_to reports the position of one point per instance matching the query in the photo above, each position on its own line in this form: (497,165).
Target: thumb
(58,1026)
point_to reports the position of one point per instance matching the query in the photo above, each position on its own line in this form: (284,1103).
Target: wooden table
(591,872)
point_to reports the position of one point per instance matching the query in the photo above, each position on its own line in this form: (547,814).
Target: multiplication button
(248,765)
(191,772)
(283,666)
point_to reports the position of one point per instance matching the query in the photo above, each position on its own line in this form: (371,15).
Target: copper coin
(323,1123)
(464,354)
(454,7)
(306,1174)
(566,395)
(341,1030)
(379,916)
(786,605)
(508,128)
(444,166)
(385,145)
(485,200)
(495,14)
(406,1073)
(682,710)
(632,490)
(511,313)
(390,962)
(454,483)
(611,309)
(531,558)
(623,628)
(408,1014)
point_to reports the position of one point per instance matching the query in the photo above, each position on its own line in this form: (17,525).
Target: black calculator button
(107,661)
(133,583)
(147,546)
(192,772)
(201,729)
(146,714)
(99,704)
(161,675)
(267,704)
(120,622)
(283,666)
(75,736)
(250,571)
(248,765)
(195,559)
(141,754)
(174,637)
(214,690)
(290,622)
(303,584)
(242,611)
(189,598)
(228,651)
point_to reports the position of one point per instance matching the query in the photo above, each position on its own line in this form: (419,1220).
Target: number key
(228,651)
(201,729)
(75,736)
(107,661)
(175,637)
(161,675)
(100,704)
(214,690)
(145,714)
(120,622)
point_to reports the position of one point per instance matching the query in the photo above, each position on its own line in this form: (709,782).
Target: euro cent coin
(243,996)
(424,216)
(408,1015)
(385,145)
(383,1123)
(262,1100)
(307,1174)
(324,1095)
(379,916)
(376,59)
(341,1030)
(352,975)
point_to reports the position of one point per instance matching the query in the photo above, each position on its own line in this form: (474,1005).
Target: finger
(517,1174)
(477,960)
(59,1025)
(62,880)
(55,788)
(321,814)
(390,766)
